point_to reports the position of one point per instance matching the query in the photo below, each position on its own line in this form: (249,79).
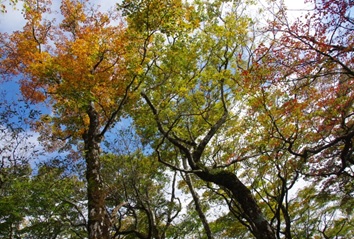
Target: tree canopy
(180,119)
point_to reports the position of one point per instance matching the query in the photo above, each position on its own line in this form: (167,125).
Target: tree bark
(261,229)
(98,220)
(197,203)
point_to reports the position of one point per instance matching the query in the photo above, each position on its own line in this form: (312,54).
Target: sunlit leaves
(191,70)
(269,105)
(42,205)
(70,65)
(317,217)
(311,61)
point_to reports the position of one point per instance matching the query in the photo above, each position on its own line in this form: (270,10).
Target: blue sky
(13,21)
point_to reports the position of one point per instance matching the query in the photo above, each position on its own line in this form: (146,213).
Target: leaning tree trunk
(260,227)
(98,220)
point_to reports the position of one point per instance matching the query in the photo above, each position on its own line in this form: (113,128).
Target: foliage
(78,67)
(16,150)
(47,205)
(86,55)
(267,113)
(140,194)
(253,115)
(322,219)
(3,5)
(11,203)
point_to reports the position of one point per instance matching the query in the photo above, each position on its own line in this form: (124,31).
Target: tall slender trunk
(98,220)
(197,202)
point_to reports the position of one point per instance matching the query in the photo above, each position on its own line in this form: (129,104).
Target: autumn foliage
(310,85)
(248,113)
(70,65)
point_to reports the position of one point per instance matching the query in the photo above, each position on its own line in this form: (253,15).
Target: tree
(11,202)
(45,205)
(305,108)
(196,200)
(319,218)
(142,189)
(193,88)
(78,67)
(30,204)
(246,111)
(55,204)
(314,63)
(16,151)
(250,113)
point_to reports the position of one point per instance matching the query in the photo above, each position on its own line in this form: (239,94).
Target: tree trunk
(197,203)
(261,229)
(98,220)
